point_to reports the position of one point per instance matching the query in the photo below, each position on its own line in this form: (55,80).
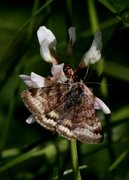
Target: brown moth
(63,103)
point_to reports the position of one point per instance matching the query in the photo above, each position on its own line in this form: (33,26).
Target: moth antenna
(98,83)
(86,73)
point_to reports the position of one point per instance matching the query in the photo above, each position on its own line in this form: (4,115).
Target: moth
(62,102)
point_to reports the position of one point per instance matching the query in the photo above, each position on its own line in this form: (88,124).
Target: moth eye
(66,68)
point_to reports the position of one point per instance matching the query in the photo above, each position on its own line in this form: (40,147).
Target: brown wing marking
(44,100)
(51,119)
(81,123)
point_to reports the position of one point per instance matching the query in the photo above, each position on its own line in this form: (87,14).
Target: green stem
(8,121)
(35,14)
(94,27)
(48,151)
(100,68)
(93,16)
(35,7)
(74,157)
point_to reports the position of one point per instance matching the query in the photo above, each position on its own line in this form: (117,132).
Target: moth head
(68,71)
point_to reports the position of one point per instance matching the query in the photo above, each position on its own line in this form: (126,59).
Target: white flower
(35,81)
(58,73)
(99,104)
(30,119)
(47,43)
(93,55)
(72,35)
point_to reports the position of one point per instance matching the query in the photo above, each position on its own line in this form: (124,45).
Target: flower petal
(45,34)
(47,43)
(58,73)
(45,52)
(35,80)
(99,104)
(30,119)
(94,53)
(72,35)
(38,81)
(26,79)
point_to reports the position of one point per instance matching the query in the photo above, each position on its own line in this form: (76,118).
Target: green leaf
(120,114)
(117,71)
(116,6)
(49,151)
(118,160)
(18,47)
(121,8)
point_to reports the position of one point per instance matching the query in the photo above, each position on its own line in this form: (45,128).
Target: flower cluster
(47,43)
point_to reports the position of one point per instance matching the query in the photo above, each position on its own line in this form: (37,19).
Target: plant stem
(74,157)
(94,27)
(100,68)
(93,16)
(35,7)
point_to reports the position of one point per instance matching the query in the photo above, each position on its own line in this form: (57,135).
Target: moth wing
(81,123)
(41,101)
(50,120)
(48,105)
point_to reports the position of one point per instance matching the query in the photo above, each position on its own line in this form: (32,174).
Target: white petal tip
(99,104)
(23,77)
(30,119)
(47,43)
(26,79)
(37,80)
(72,34)
(43,33)
(106,110)
(93,55)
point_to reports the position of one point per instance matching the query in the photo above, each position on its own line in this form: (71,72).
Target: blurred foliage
(29,152)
